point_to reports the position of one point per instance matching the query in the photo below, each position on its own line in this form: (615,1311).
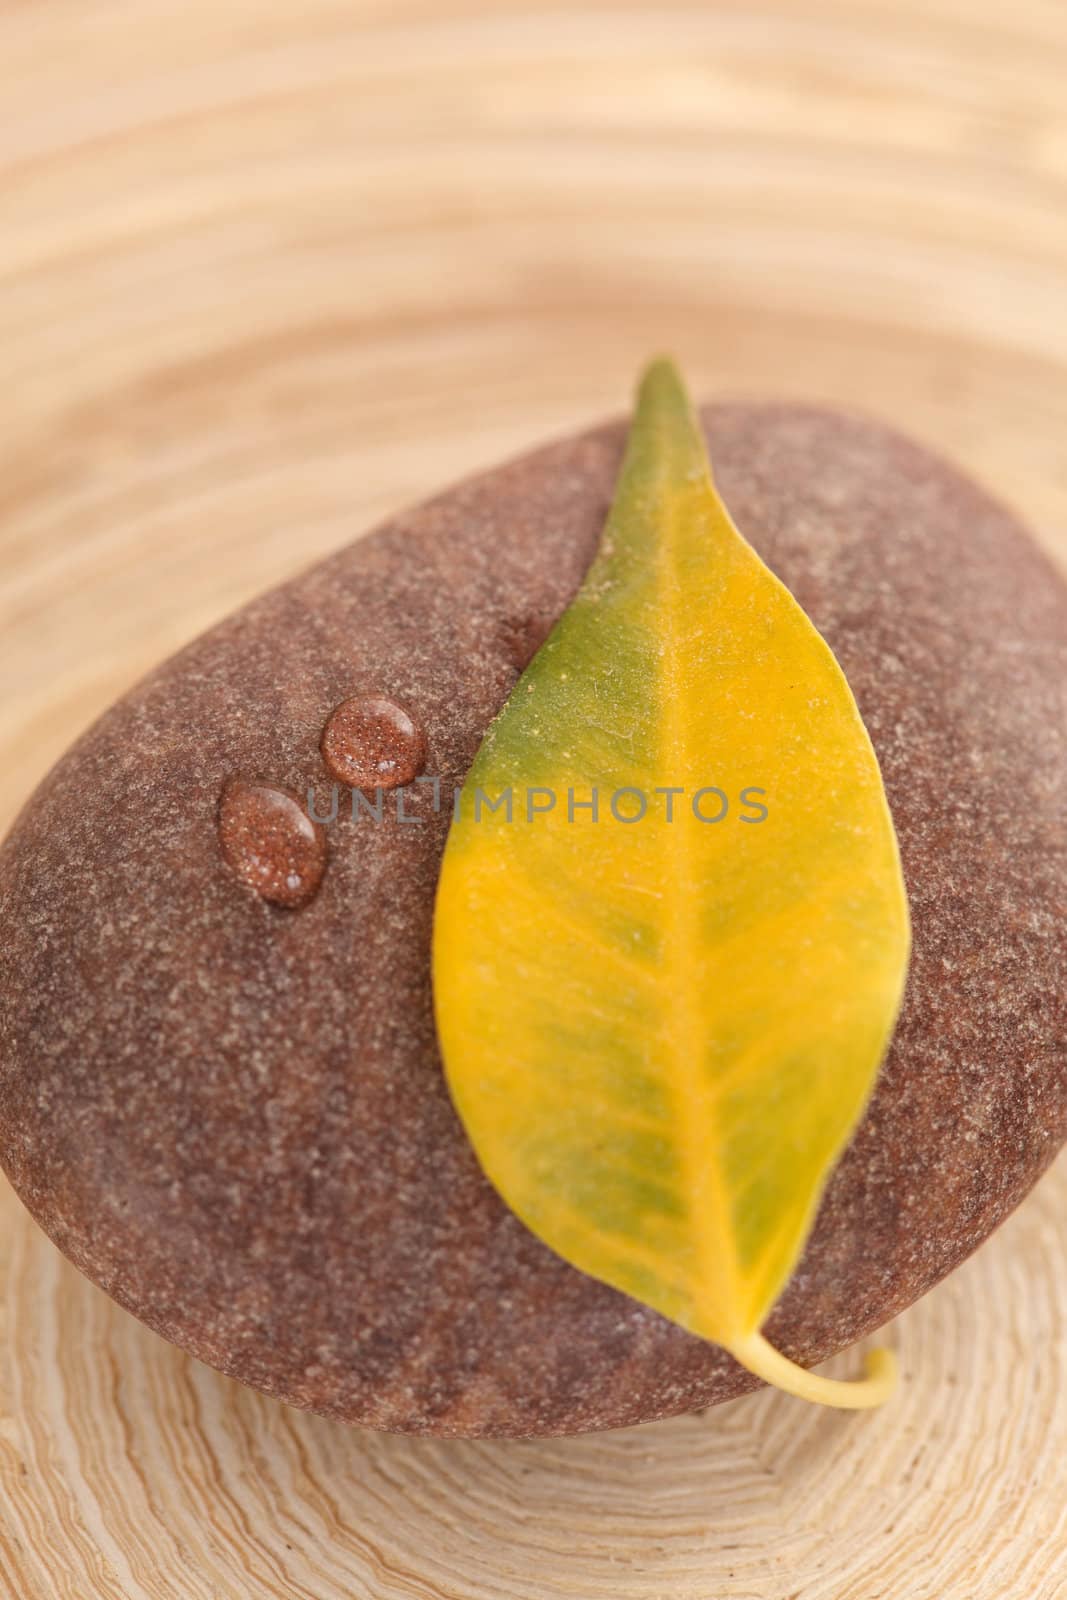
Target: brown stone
(231,1115)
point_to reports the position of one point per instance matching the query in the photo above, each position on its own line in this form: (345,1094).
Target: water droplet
(372,743)
(270,842)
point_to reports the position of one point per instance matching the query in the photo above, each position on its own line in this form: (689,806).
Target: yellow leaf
(661,1020)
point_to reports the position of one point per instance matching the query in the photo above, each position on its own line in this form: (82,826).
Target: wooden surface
(266,273)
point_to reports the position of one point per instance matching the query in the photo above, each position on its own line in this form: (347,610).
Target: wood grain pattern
(268,272)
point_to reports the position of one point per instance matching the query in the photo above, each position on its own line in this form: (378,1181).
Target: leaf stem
(767,1363)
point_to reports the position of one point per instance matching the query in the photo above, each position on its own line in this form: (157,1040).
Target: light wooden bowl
(269,271)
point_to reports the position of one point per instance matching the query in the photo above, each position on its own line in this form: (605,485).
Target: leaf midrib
(717,1275)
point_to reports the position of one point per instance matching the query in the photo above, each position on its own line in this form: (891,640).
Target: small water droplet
(270,843)
(372,743)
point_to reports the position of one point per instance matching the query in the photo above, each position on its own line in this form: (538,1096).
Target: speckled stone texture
(232,1115)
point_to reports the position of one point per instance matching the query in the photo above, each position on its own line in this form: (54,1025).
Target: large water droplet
(270,842)
(372,743)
